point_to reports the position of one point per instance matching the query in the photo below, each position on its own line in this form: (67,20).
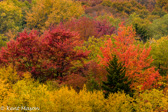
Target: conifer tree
(116,79)
(136,59)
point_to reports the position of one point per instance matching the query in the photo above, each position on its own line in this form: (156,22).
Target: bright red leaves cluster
(135,59)
(46,56)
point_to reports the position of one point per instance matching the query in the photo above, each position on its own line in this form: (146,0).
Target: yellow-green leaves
(153,100)
(10,17)
(119,102)
(48,12)
(159,53)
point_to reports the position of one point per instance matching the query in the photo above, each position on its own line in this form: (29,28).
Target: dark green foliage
(142,32)
(116,79)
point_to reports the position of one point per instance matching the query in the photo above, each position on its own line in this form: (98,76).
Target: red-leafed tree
(23,53)
(47,56)
(135,59)
(58,49)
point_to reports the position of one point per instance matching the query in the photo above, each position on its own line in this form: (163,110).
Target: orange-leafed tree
(135,59)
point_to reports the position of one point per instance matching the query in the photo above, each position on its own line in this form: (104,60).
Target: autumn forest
(84,55)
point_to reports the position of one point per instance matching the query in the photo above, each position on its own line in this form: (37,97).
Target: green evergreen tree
(116,79)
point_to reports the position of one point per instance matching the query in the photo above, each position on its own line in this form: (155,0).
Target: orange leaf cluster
(135,59)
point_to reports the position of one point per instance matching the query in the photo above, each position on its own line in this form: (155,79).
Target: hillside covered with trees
(84,55)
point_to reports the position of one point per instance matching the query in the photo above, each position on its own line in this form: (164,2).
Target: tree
(24,53)
(48,12)
(59,50)
(47,56)
(10,18)
(136,59)
(160,54)
(25,6)
(116,79)
(159,27)
(141,26)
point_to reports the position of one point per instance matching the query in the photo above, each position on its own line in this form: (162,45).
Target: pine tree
(116,79)
(136,59)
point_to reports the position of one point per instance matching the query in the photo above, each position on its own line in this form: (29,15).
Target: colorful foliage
(87,27)
(141,27)
(135,59)
(28,94)
(48,12)
(36,67)
(23,53)
(114,21)
(10,18)
(154,100)
(119,102)
(76,81)
(58,46)
(8,77)
(45,57)
(93,44)
(92,70)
